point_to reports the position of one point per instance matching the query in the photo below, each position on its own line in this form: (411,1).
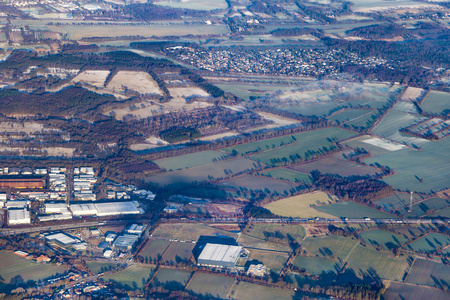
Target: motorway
(15,231)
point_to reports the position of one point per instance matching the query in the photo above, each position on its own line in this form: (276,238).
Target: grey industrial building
(216,255)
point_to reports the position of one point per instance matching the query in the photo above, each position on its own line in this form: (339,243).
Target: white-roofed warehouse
(216,255)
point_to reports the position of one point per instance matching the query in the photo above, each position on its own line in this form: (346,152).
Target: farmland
(245,290)
(154,249)
(411,232)
(317,265)
(188,232)
(426,272)
(260,230)
(333,247)
(92,77)
(273,260)
(300,206)
(443,213)
(203,173)
(195,4)
(12,265)
(429,243)
(178,252)
(334,165)
(425,207)
(398,200)
(436,102)
(261,243)
(386,239)
(171,278)
(251,182)
(352,210)
(189,160)
(288,174)
(140,82)
(131,277)
(97,267)
(400,291)
(211,285)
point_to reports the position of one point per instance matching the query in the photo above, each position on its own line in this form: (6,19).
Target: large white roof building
(216,255)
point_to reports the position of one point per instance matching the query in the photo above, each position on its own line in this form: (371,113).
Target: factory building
(62,238)
(19,216)
(106,209)
(125,242)
(22,182)
(216,255)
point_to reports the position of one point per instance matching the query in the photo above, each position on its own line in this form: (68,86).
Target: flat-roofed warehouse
(216,255)
(22,182)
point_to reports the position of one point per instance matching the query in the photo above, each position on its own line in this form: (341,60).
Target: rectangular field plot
(178,252)
(188,232)
(426,272)
(245,290)
(349,115)
(365,260)
(208,285)
(189,160)
(97,267)
(373,145)
(317,265)
(12,265)
(255,183)
(306,144)
(92,77)
(300,206)
(401,291)
(429,243)
(352,210)
(332,247)
(132,277)
(262,231)
(273,260)
(203,173)
(412,94)
(171,279)
(398,200)
(334,165)
(425,207)
(436,102)
(316,109)
(258,243)
(154,249)
(289,175)
(412,233)
(385,239)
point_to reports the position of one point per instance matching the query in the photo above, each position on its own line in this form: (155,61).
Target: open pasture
(261,243)
(97,267)
(92,77)
(412,232)
(412,94)
(332,246)
(398,200)
(289,175)
(273,260)
(401,291)
(209,285)
(425,207)
(299,206)
(245,290)
(12,265)
(305,143)
(178,252)
(255,183)
(431,273)
(189,160)
(353,210)
(405,107)
(195,4)
(349,115)
(429,243)
(154,249)
(315,109)
(379,5)
(140,82)
(260,231)
(203,173)
(436,102)
(373,145)
(171,279)
(340,166)
(443,213)
(365,260)
(316,265)
(385,239)
(188,232)
(135,276)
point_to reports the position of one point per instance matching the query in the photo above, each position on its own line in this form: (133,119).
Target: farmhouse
(216,255)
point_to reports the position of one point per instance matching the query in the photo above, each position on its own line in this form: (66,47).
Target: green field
(333,247)
(132,277)
(97,267)
(352,210)
(289,175)
(349,115)
(154,249)
(178,252)
(397,200)
(210,285)
(189,160)
(436,102)
(12,265)
(385,239)
(365,261)
(171,279)
(444,213)
(425,207)
(300,206)
(245,290)
(195,4)
(429,243)
(411,232)
(203,173)
(188,232)
(426,272)
(317,265)
(401,291)
(306,144)
(259,243)
(273,260)
(260,231)
(255,183)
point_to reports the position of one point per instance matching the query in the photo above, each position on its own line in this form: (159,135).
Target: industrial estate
(227,149)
